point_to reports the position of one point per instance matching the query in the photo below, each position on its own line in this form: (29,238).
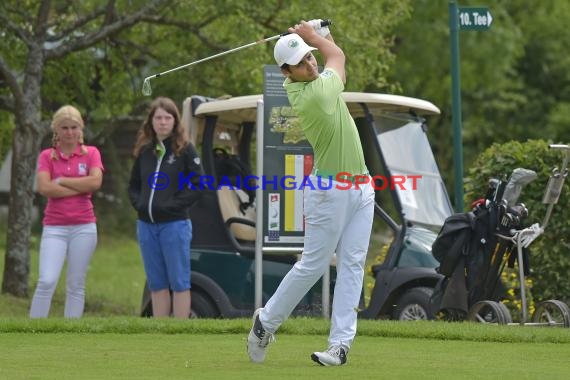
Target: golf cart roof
(243,108)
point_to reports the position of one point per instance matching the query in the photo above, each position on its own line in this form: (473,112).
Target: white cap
(290,49)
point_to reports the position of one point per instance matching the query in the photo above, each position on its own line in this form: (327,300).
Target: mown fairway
(111,342)
(201,349)
(182,356)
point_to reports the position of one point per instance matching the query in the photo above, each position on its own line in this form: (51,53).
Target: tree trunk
(26,148)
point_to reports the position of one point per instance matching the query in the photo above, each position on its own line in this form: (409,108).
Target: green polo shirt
(327,124)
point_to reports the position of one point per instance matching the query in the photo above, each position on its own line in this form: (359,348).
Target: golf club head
(146,88)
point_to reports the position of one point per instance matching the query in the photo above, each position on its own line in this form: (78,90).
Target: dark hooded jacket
(162,187)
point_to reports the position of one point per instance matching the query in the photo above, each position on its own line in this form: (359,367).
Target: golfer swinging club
(335,220)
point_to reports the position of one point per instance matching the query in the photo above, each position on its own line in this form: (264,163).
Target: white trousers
(76,243)
(335,221)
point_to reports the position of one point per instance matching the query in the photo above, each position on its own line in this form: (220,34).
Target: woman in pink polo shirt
(68,173)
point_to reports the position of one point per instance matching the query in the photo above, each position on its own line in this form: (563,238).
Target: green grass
(112,342)
(115,281)
(137,348)
(420,330)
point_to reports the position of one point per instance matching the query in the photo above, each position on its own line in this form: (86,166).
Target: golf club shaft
(214,56)
(323,24)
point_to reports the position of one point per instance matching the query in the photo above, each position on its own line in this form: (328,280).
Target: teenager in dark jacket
(164,184)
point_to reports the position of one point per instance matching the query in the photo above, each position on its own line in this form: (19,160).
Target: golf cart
(393,134)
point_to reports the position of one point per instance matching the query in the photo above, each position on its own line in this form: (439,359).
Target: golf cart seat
(241,223)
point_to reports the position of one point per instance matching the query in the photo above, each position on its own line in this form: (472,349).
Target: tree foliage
(95,54)
(515,82)
(363,30)
(544,67)
(490,85)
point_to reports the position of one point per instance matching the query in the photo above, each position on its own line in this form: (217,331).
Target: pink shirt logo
(82,169)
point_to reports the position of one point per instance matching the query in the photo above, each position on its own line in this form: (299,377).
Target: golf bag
(472,255)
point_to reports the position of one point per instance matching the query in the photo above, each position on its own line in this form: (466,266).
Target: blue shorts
(165,251)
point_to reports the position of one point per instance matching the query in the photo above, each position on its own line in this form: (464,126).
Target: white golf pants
(76,243)
(335,221)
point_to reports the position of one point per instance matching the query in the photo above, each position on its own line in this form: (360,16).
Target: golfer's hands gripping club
(305,30)
(321,27)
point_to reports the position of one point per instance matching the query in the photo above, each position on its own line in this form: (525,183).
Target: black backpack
(453,241)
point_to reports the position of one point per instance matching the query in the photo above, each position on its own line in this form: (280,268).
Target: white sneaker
(335,355)
(258,339)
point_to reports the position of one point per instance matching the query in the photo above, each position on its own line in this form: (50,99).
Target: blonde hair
(66,113)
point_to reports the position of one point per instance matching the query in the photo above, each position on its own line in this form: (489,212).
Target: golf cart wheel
(506,313)
(414,305)
(488,312)
(552,313)
(202,307)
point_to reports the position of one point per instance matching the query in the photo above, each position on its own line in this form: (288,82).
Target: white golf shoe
(258,340)
(335,355)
